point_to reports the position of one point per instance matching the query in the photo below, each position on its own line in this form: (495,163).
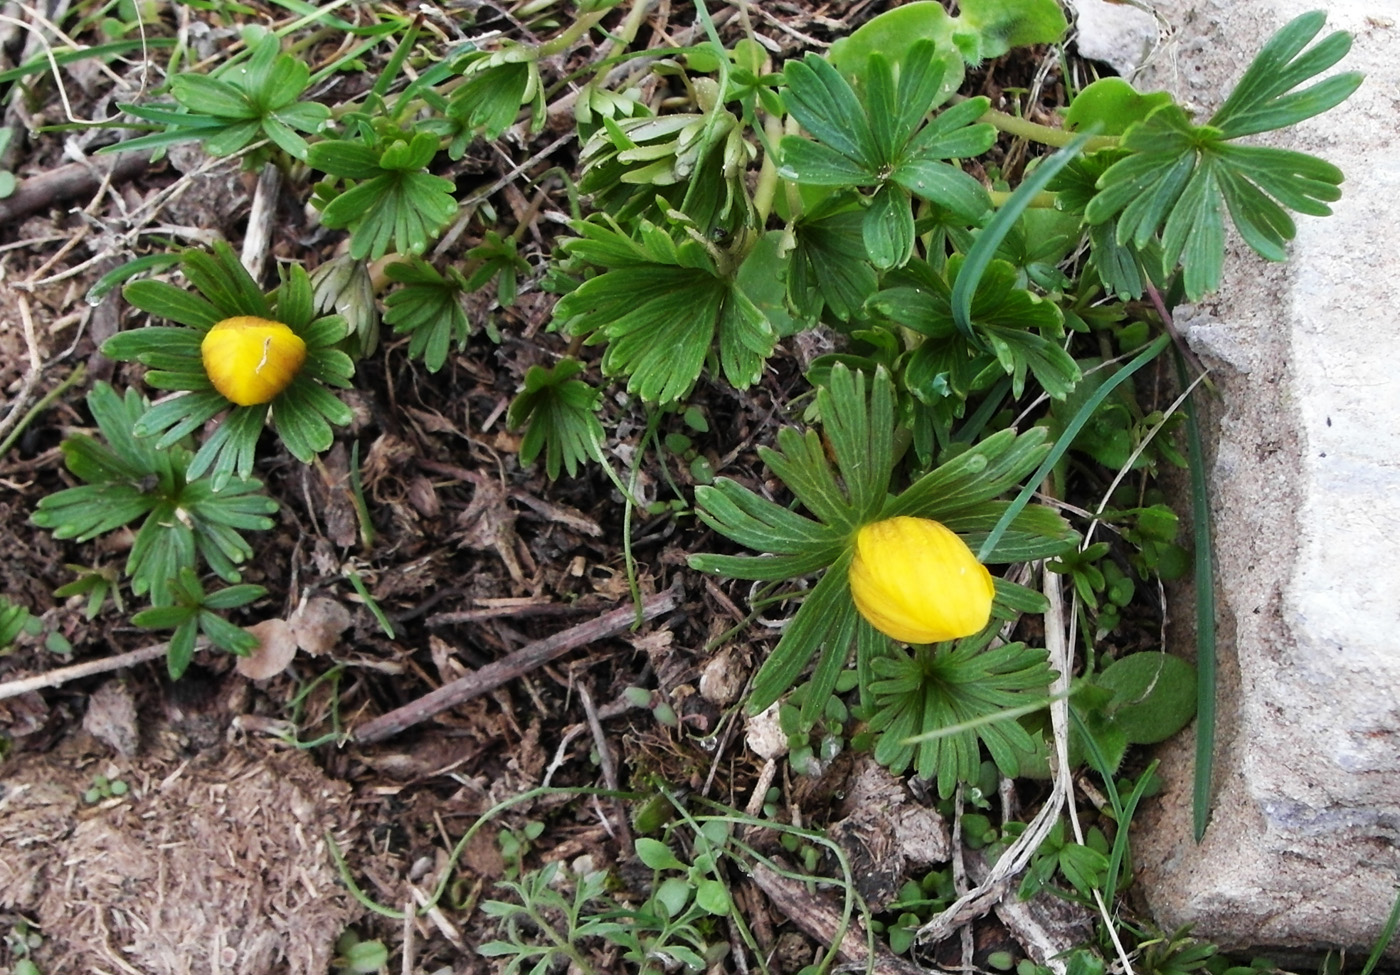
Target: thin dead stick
(520,611)
(257,239)
(511,666)
(56,678)
(68,182)
(821,919)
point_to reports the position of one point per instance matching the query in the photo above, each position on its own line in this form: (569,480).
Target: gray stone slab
(1301,852)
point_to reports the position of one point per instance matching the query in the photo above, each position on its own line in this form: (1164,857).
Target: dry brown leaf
(318,623)
(111,717)
(276,648)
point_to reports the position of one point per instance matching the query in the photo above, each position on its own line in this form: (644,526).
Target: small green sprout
(194,612)
(428,308)
(14,620)
(104,788)
(238,106)
(559,413)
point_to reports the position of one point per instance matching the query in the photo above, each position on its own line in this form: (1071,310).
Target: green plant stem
(1205,620)
(357,492)
(571,34)
(627,33)
(1044,134)
(767,186)
(400,55)
(1040,201)
(446,878)
(73,378)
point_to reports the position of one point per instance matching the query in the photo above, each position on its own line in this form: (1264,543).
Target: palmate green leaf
(560,416)
(1181,177)
(830,268)
(952,134)
(824,623)
(1259,102)
(13,618)
(661,306)
(1019,351)
(938,687)
(1002,315)
(132,477)
(879,144)
(495,88)
(429,309)
(402,210)
(500,259)
(203,95)
(396,203)
(825,105)
(192,613)
(240,105)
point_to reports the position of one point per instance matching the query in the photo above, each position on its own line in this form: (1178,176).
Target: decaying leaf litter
(445,633)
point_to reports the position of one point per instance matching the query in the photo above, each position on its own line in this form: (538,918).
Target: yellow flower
(916,581)
(250,360)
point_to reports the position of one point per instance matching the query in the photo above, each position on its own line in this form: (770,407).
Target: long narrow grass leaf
(995,232)
(1063,443)
(1205,621)
(1383,942)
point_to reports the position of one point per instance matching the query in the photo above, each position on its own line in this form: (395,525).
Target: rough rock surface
(1302,848)
(1118,34)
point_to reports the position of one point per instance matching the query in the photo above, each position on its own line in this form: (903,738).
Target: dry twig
(511,666)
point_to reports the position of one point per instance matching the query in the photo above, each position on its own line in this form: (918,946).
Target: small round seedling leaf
(1154,695)
(657,855)
(672,895)
(712,897)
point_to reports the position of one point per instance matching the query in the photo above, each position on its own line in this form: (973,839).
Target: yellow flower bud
(916,581)
(250,360)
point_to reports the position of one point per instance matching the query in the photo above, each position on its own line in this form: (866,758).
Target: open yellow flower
(250,360)
(916,581)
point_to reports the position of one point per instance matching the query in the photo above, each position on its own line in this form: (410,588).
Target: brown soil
(217,858)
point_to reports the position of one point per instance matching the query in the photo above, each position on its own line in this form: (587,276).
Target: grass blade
(1205,618)
(991,237)
(1063,443)
(1383,941)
